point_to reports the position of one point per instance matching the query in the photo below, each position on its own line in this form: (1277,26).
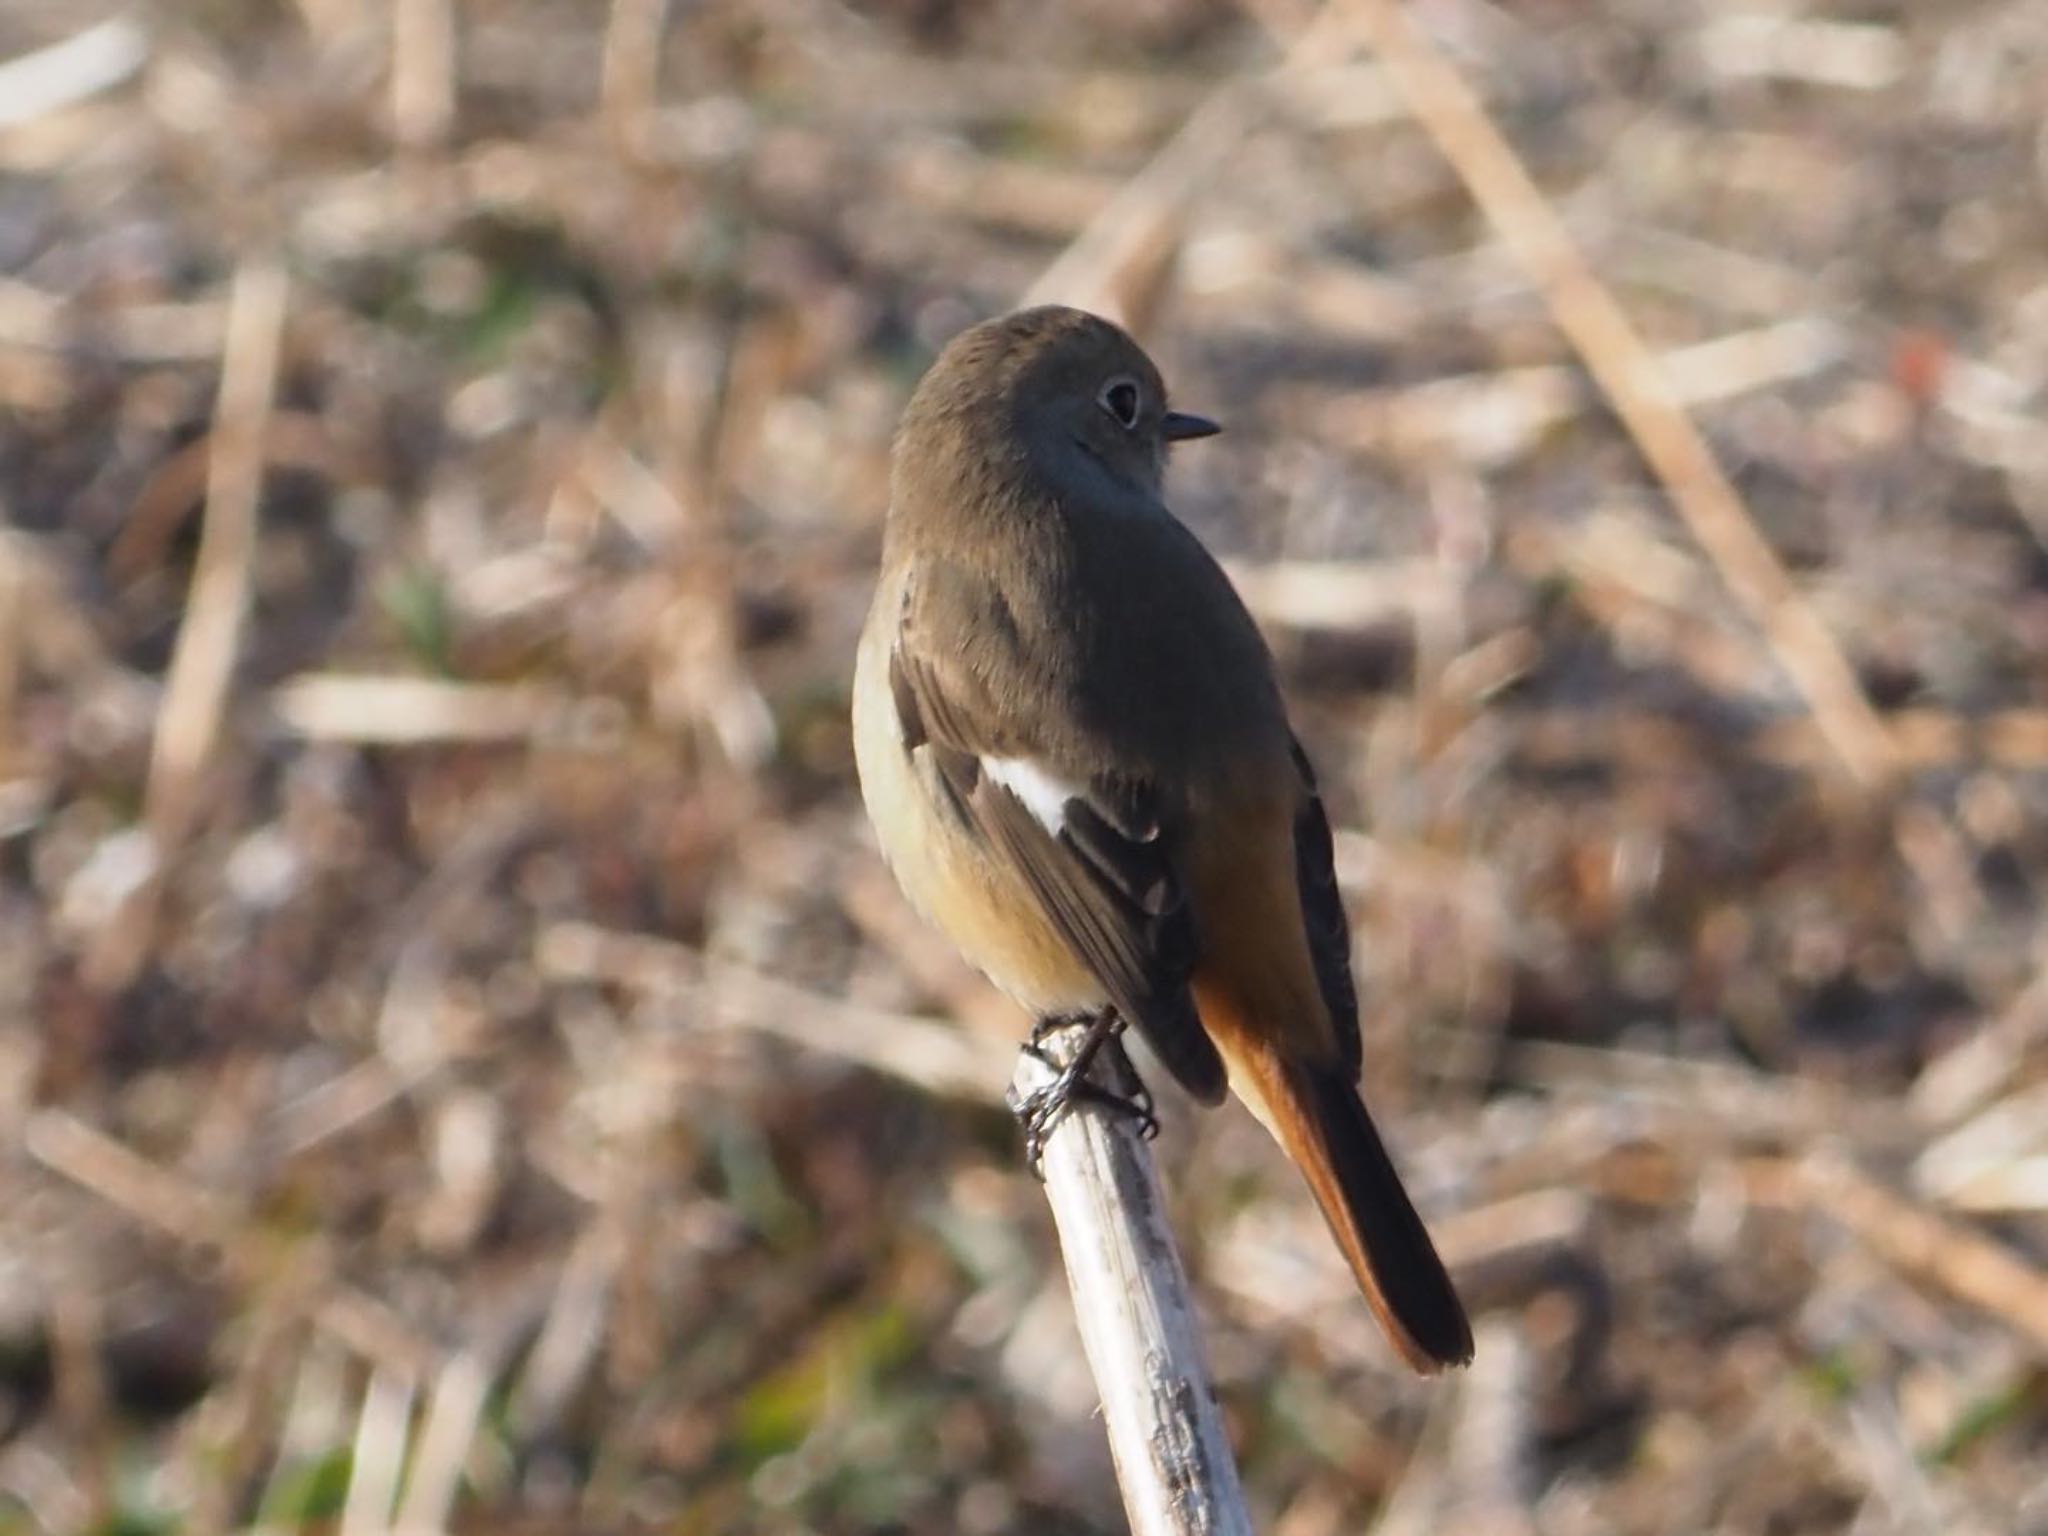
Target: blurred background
(461,1062)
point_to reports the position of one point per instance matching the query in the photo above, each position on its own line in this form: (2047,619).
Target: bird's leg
(1039,1111)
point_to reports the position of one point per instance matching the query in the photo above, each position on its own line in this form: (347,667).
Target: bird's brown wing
(1096,855)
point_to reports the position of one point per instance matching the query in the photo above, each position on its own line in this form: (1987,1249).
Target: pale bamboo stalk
(631,79)
(422,72)
(202,665)
(377,1456)
(82,66)
(1137,1318)
(197,686)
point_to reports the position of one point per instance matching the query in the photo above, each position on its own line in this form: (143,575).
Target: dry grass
(460,1064)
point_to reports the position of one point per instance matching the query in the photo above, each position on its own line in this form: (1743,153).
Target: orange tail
(1317,1116)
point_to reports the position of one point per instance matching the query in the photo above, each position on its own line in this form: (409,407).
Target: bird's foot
(1039,1111)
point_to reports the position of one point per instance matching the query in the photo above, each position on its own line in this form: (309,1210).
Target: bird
(1072,744)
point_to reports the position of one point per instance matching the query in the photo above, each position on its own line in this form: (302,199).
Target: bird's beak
(1179,426)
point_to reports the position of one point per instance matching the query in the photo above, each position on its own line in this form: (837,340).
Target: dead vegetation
(460,1063)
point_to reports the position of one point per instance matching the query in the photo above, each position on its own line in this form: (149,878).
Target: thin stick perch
(1137,1319)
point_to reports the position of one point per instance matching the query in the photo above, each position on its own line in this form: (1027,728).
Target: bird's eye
(1119,397)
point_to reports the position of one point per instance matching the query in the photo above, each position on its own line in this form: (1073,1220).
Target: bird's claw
(1039,1111)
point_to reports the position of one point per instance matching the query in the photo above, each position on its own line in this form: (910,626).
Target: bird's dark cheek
(1093,452)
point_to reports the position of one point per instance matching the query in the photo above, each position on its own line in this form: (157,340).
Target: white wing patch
(1044,795)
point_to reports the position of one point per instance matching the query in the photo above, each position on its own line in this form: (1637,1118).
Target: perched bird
(1079,767)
